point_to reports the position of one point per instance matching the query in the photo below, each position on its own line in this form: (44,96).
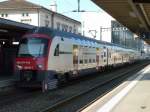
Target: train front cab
(32,61)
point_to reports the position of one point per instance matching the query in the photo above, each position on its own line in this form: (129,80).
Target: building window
(25,14)
(46,16)
(74,31)
(4,15)
(58,26)
(70,29)
(63,27)
(46,23)
(66,28)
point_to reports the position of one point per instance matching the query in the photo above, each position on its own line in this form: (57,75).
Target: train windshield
(33,47)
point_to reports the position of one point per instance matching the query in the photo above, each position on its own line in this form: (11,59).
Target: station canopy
(134,14)
(11,29)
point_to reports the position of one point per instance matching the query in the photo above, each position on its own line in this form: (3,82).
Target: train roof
(53,32)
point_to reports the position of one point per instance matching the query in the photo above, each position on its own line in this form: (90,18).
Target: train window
(104,54)
(109,55)
(93,60)
(56,52)
(85,61)
(81,61)
(90,61)
(62,39)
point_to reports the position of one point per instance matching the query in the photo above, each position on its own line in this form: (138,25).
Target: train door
(56,61)
(75,57)
(62,57)
(65,56)
(101,61)
(113,56)
(97,57)
(122,58)
(107,58)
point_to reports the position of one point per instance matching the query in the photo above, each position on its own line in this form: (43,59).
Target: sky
(66,6)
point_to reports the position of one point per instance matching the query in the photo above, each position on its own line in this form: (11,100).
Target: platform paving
(131,96)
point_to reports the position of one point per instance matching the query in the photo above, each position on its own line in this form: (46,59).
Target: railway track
(52,100)
(56,107)
(14,95)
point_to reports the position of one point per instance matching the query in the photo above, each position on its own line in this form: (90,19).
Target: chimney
(53,6)
(17,0)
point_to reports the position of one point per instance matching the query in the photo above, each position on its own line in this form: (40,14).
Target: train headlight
(40,66)
(19,67)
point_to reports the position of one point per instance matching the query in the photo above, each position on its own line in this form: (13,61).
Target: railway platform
(131,96)
(6,81)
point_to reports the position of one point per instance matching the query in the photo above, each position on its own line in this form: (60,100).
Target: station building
(19,16)
(33,14)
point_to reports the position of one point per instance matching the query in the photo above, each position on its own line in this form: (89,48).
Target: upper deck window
(56,52)
(44,30)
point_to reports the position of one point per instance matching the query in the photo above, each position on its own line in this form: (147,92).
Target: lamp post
(93,33)
(114,30)
(100,33)
(78,5)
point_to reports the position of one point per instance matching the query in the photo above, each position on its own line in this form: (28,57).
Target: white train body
(69,55)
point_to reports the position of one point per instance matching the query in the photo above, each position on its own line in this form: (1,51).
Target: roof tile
(17,4)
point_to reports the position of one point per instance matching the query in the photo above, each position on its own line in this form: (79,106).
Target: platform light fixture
(141,25)
(132,14)
(3,30)
(15,43)
(141,1)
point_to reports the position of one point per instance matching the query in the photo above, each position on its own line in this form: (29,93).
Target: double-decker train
(47,56)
